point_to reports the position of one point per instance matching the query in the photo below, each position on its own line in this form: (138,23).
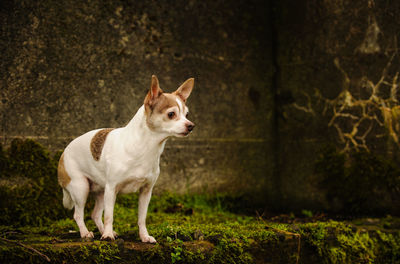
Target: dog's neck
(137,134)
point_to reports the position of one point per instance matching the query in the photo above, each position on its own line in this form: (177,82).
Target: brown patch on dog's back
(63,177)
(97,142)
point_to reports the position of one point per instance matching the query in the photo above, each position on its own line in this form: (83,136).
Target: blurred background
(296,102)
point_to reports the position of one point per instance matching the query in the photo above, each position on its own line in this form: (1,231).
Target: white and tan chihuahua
(123,160)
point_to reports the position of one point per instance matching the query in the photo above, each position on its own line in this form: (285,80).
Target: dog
(123,160)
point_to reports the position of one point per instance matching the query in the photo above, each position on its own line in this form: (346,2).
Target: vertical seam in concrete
(276,174)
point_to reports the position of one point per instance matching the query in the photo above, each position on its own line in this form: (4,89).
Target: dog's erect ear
(154,92)
(185,89)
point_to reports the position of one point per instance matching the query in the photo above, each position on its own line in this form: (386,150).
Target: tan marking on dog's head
(161,109)
(97,142)
(160,106)
(63,177)
(156,98)
(166,101)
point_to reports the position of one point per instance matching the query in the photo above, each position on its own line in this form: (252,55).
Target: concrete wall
(275,81)
(72,66)
(338,85)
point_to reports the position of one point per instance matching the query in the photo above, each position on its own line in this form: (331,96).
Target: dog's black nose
(190,127)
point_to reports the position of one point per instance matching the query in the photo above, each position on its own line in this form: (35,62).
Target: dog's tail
(67,200)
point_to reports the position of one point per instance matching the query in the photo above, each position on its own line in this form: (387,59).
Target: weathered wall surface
(71,66)
(275,82)
(338,84)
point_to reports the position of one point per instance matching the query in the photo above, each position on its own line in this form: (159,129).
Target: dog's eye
(171,115)
(187,114)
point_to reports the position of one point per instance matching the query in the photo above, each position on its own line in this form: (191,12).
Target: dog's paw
(148,239)
(108,237)
(114,233)
(87,235)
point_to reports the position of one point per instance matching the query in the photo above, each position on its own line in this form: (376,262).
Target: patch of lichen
(29,193)
(360,183)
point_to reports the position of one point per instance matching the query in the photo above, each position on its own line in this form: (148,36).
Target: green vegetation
(28,180)
(202,228)
(339,242)
(189,230)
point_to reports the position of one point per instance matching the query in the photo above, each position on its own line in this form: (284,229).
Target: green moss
(337,242)
(201,238)
(29,192)
(95,252)
(208,234)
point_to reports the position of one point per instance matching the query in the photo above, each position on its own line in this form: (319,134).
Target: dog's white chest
(135,182)
(130,185)
(131,176)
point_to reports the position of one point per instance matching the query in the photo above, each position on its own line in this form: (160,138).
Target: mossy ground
(189,228)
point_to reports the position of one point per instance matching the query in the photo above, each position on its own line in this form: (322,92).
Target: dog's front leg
(109,201)
(144,199)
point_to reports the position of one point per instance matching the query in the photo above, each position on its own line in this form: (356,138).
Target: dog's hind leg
(79,190)
(97,213)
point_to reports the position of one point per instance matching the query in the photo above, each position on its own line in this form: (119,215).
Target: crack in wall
(358,120)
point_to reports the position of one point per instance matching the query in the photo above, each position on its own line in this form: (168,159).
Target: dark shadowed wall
(276,81)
